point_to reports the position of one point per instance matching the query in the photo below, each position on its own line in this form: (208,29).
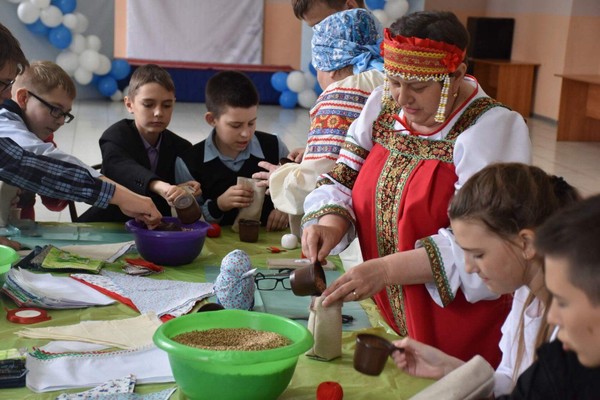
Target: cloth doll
(235,286)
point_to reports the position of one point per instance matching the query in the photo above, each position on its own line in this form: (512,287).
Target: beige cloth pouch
(325,324)
(255,209)
(471,381)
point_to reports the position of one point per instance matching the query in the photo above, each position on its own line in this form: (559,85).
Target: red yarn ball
(330,391)
(214,230)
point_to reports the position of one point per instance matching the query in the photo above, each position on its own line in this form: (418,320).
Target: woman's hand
(318,240)
(277,221)
(237,196)
(359,283)
(419,359)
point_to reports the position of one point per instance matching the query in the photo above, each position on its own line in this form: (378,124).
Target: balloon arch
(80,57)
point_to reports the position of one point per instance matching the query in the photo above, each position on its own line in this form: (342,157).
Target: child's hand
(264,175)
(296,154)
(174,192)
(277,221)
(237,196)
(195,186)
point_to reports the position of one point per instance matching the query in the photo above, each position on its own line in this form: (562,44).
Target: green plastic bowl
(7,257)
(229,375)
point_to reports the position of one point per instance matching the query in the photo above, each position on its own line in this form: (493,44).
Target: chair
(71,204)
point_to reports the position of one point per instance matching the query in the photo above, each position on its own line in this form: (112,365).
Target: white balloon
(77,44)
(382,17)
(104,65)
(395,9)
(28,13)
(93,42)
(51,16)
(117,96)
(41,4)
(82,23)
(295,81)
(126,91)
(307,98)
(83,76)
(70,21)
(89,59)
(310,79)
(69,61)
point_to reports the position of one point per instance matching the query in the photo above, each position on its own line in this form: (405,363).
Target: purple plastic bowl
(169,247)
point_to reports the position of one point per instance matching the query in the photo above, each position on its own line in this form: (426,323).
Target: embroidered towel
(128,333)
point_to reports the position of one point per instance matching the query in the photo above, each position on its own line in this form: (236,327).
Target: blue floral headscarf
(351,37)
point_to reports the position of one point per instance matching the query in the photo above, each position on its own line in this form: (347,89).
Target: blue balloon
(60,37)
(318,89)
(279,81)
(312,69)
(120,69)
(66,6)
(375,4)
(288,99)
(38,28)
(107,86)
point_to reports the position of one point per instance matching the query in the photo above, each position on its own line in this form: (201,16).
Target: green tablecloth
(391,384)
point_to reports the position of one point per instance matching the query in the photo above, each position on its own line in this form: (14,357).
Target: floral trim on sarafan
(405,154)
(328,209)
(439,272)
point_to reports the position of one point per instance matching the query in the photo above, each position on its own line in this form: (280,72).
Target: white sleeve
(499,135)
(30,142)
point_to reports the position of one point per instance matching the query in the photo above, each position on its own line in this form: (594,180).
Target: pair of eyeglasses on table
(270,281)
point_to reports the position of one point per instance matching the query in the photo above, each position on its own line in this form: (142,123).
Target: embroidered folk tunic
(404,184)
(336,108)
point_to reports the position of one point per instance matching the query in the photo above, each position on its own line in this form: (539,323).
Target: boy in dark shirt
(234,148)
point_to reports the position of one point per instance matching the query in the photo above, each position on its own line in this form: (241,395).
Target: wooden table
(510,82)
(579,114)
(391,384)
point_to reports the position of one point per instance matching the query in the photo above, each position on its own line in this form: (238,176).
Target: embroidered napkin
(125,333)
(50,371)
(108,252)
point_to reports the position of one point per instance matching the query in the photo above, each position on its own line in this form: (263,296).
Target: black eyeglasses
(5,85)
(270,281)
(54,111)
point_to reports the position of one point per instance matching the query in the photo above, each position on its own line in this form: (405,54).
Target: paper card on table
(58,259)
(108,252)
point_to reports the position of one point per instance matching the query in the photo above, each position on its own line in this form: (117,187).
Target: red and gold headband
(413,58)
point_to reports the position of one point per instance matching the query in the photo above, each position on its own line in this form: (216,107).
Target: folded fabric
(108,252)
(126,333)
(473,380)
(48,291)
(114,386)
(57,371)
(161,295)
(58,259)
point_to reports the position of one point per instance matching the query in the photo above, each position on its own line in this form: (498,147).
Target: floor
(577,162)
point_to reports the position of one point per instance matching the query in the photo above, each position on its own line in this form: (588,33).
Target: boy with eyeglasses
(42,97)
(54,177)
